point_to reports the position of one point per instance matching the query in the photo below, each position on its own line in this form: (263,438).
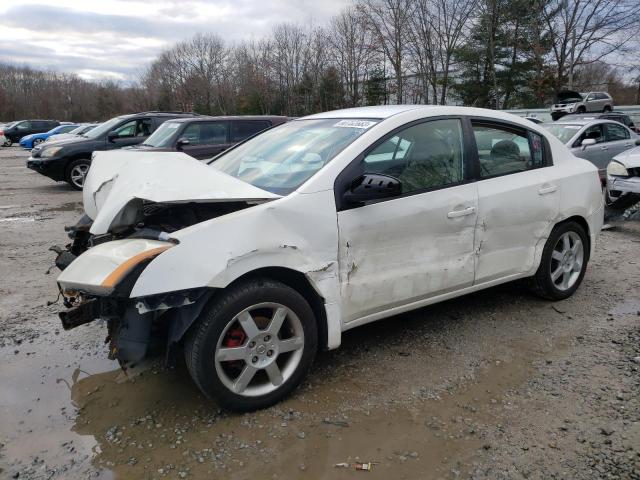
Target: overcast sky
(118,38)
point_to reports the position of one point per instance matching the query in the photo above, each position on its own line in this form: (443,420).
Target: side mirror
(112,135)
(182,141)
(373,186)
(638,142)
(588,141)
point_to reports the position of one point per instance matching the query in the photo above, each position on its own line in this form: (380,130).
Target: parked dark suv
(69,160)
(205,137)
(16,130)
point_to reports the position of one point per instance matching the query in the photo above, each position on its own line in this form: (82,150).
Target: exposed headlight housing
(50,152)
(101,268)
(617,169)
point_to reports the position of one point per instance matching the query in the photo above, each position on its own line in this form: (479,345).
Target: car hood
(119,182)
(629,158)
(568,95)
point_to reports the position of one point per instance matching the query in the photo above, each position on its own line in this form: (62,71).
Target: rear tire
(607,108)
(8,142)
(252,345)
(77,172)
(563,264)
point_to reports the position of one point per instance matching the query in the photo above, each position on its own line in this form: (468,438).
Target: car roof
(581,121)
(206,118)
(378,111)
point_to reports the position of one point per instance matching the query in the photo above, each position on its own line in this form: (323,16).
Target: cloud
(119,38)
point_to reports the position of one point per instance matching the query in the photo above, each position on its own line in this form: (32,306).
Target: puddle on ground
(629,306)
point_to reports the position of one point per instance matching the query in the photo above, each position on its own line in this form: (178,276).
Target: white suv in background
(569,101)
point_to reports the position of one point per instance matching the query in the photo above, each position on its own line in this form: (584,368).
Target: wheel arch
(580,220)
(299,282)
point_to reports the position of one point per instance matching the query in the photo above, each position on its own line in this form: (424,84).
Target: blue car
(32,140)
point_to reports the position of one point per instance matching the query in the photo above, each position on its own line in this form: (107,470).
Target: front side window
(283,158)
(594,132)
(503,150)
(615,132)
(423,156)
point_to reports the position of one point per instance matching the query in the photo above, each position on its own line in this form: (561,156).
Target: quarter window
(503,150)
(615,132)
(423,156)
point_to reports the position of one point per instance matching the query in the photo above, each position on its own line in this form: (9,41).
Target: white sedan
(255,261)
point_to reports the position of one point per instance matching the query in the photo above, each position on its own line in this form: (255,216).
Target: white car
(317,226)
(623,179)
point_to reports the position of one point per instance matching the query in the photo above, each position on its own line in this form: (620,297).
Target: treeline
(486,53)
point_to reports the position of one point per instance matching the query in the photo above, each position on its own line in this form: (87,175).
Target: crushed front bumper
(623,184)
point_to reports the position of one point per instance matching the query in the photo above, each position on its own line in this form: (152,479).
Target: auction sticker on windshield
(364,124)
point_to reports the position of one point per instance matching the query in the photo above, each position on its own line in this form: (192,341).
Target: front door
(517,199)
(130,133)
(418,245)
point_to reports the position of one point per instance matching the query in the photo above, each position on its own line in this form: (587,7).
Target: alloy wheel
(567,259)
(78,174)
(259,349)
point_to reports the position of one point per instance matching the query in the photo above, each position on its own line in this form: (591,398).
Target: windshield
(163,136)
(104,128)
(564,132)
(78,130)
(283,158)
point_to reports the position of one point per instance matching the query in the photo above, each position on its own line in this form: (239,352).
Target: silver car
(569,101)
(595,140)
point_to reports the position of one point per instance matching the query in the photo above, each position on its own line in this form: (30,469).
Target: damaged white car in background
(252,263)
(623,179)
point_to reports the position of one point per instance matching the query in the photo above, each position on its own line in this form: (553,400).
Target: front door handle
(461,213)
(604,148)
(547,190)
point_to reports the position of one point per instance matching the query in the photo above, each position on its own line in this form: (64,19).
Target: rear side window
(615,132)
(23,126)
(503,150)
(244,129)
(206,133)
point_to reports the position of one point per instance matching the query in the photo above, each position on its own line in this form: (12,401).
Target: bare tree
(586,31)
(389,21)
(351,50)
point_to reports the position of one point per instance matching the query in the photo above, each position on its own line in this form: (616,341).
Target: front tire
(37,141)
(252,345)
(77,172)
(581,110)
(564,262)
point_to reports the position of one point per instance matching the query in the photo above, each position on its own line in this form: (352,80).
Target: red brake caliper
(235,338)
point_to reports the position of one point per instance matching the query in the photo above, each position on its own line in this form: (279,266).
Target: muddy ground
(498,384)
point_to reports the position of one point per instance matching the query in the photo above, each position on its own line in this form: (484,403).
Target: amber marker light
(124,268)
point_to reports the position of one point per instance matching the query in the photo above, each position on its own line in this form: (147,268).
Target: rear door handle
(547,190)
(461,213)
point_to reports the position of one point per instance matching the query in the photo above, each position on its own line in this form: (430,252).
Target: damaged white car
(623,179)
(252,263)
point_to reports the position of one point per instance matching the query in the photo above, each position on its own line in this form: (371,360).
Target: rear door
(618,138)
(517,198)
(206,139)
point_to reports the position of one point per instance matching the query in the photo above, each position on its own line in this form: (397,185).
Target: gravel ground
(498,384)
